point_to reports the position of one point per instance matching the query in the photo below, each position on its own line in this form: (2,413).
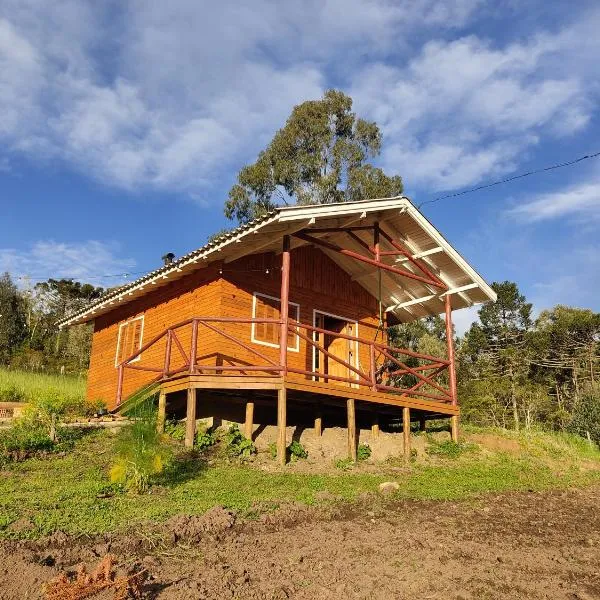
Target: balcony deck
(393,382)
(309,392)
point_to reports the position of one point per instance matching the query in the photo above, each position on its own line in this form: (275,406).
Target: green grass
(25,386)
(63,493)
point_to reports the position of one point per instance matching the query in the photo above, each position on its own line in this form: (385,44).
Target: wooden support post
(249,424)
(351,429)
(375,425)
(422,423)
(190,422)
(162,412)
(285,297)
(406,431)
(450,345)
(281,425)
(319,420)
(454,428)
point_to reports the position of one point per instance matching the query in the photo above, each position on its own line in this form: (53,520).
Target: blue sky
(123,125)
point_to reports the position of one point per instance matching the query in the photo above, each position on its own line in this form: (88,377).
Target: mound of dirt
(193,528)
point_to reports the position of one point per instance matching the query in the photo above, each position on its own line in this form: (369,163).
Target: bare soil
(517,545)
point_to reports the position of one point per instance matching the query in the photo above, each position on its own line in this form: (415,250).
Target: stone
(388,487)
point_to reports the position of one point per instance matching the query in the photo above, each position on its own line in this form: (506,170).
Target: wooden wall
(316,282)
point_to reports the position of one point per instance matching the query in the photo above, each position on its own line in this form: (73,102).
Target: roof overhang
(407,299)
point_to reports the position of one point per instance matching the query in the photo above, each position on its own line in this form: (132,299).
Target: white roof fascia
(292,213)
(454,255)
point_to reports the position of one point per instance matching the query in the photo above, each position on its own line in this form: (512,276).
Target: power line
(508,179)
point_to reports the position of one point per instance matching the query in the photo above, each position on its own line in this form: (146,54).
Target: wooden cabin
(329,279)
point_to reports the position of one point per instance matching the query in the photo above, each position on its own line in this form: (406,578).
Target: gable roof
(405,298)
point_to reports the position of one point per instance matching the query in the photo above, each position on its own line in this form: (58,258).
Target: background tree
(40,344)
(13,318)
(319,156)
(496,351)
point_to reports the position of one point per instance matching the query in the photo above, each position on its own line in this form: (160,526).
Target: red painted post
(373,367)
(194,346)
(167,355)
(120,384)
(450,343)
(285,297)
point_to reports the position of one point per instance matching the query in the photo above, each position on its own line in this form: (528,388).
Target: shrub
(363,452)
(345,464)
(273,450)
(204,439)
(28,437)
(11,393)
(140,454)
(296,451)
(237,445)
(448,448)
(176,430)
(23,438)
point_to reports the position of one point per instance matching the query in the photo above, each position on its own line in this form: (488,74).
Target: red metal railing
(387,367)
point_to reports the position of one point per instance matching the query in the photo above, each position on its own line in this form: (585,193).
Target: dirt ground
(518,545)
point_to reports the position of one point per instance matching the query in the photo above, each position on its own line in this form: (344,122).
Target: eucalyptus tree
(319,156)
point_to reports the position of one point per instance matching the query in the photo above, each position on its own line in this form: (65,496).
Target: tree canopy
(319,156)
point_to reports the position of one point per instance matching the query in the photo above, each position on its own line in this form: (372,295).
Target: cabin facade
(329,279)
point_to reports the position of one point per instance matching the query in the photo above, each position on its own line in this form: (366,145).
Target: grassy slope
(34,385)
(61,493)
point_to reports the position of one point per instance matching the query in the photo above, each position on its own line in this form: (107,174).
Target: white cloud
(89,261)
(170,95)
(581,200)
(465,110)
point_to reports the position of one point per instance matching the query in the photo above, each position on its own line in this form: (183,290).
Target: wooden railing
(387,367)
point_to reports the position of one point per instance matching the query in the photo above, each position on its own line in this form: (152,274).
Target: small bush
(296,451)
(205,439)
(345,464)
(363,452)
(448,448)
(28,437)
(237,445)
(176,430)
(24,438)
(140,453)
(273,450)
(11,393)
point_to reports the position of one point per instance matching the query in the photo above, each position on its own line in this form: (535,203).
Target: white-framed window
(267,334)
(129,340)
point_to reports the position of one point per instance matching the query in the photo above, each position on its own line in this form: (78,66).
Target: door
(337,347)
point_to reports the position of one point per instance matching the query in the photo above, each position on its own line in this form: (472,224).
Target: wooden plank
(235,382)
(318,387)
(281,425)
(162,412)
(454,428)
(406,431)
(351,412)
(249,424)
(190,420)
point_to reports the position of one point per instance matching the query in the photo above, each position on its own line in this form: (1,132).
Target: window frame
(296,347)
(121,327)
